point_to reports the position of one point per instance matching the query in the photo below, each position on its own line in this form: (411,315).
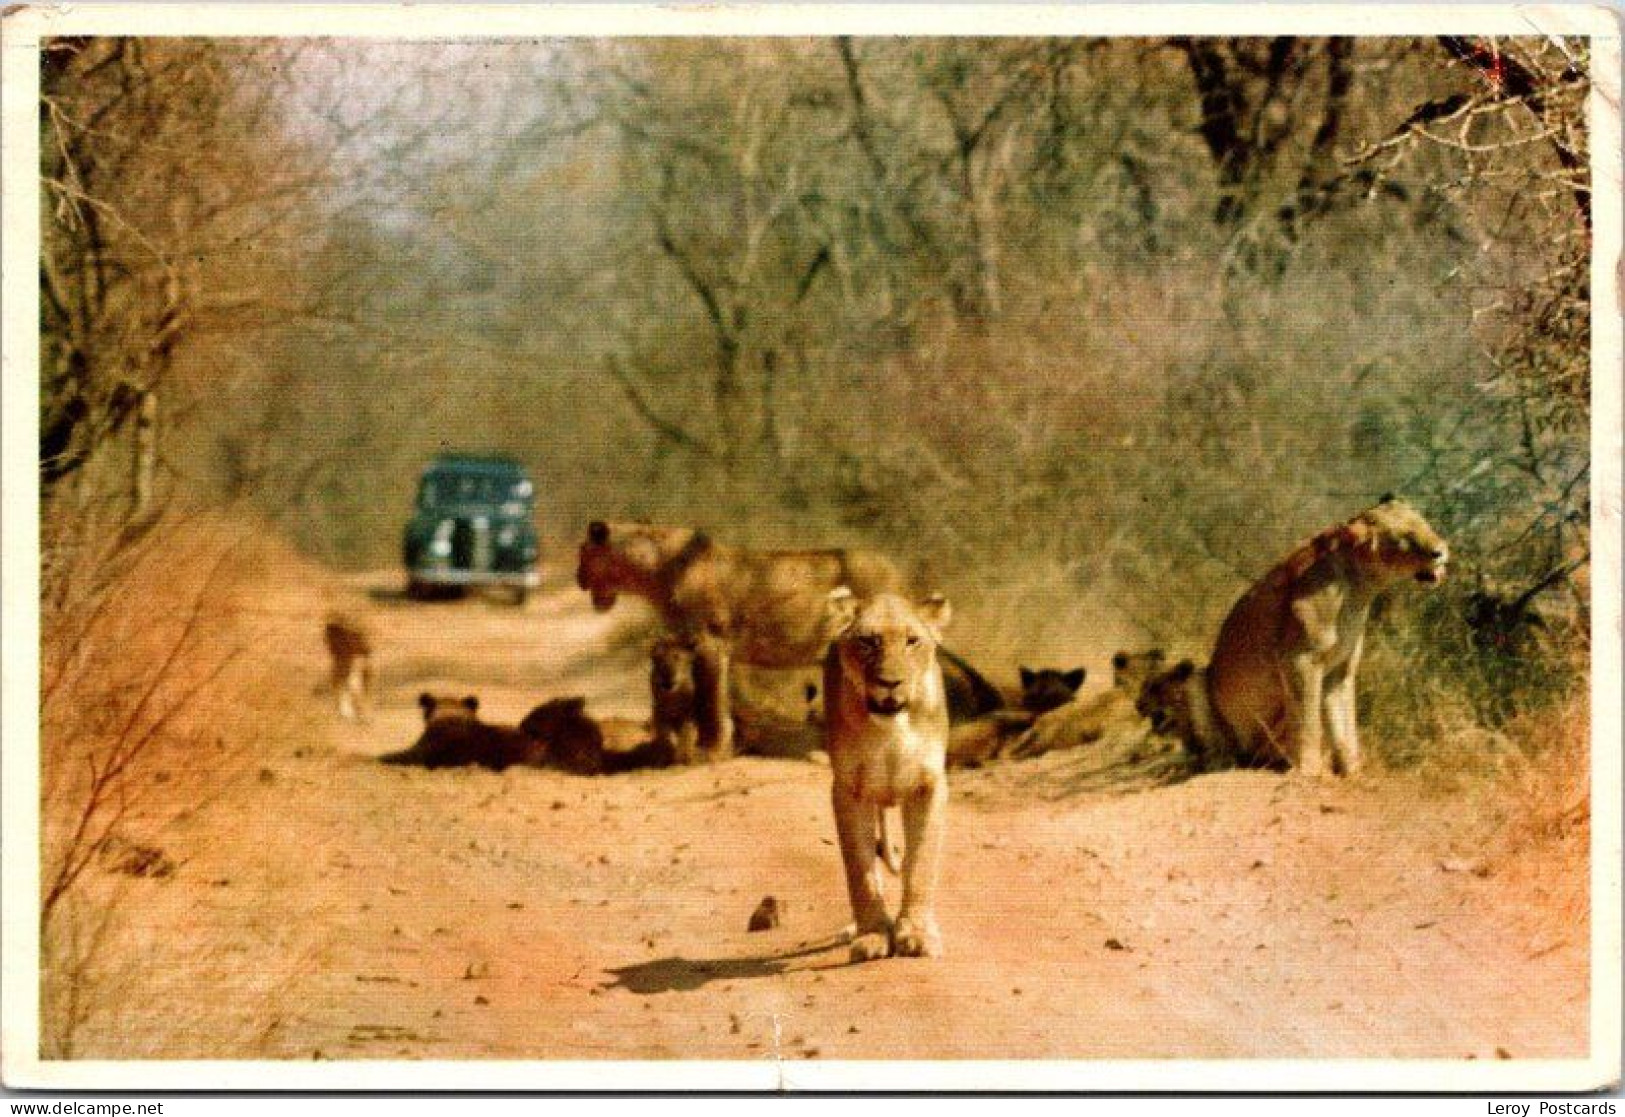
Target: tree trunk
(144,468)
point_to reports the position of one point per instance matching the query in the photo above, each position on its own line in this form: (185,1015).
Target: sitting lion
(349,647)
(1281,681)
(1045,688)
(454,736)
(886,732)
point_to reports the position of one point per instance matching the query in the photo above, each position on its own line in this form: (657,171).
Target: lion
(886,733)
(1045,688)
(454,736)
(1177,704)
(572,739)
(1281,680)
(1077,722)
(672,697)
(764,608)
(349,645)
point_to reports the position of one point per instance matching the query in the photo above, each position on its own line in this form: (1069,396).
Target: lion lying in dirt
(557,734)
(1052,718)
(1280,687)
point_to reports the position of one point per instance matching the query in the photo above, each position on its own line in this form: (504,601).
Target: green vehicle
(474,525)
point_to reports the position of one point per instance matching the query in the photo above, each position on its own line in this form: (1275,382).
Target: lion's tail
(886,848)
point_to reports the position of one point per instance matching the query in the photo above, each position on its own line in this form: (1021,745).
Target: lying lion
(557,734)
(1052,717)
(454,736)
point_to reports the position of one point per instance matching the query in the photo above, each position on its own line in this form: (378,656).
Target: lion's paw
(870,946)
(922,940)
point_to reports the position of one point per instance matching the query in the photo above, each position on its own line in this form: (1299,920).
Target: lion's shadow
(683,975)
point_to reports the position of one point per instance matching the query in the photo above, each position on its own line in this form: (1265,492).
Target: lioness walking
(349,648)
(886,732)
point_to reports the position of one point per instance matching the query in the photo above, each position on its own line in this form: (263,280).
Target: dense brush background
(1087,331)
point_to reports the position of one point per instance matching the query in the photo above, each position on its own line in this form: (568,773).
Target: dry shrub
(149,712)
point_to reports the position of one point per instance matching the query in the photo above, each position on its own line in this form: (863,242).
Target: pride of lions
(899,709)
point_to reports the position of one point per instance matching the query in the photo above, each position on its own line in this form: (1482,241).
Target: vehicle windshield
(471,488)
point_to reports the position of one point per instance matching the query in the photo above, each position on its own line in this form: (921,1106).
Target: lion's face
(1130,670)
(671,668)
(887,646)
(1402,542)
(1165,700)
(1046,688)
(438,707)
(598,567)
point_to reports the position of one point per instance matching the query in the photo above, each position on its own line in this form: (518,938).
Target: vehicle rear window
(472,488)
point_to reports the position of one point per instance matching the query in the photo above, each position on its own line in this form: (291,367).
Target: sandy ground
(332,907)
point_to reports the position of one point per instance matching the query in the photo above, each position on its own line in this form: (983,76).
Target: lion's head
(1166,700)
(438,707)
(609,561)
(887,647)
(671,669)
(1392,539)
(1130,670)
(1046,688)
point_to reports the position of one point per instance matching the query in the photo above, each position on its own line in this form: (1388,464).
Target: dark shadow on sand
(682,975)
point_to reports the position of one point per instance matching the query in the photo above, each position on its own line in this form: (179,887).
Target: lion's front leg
(1342,731)
(350,677)
(856,829)
(1303,730)
(924,821)
(712,705)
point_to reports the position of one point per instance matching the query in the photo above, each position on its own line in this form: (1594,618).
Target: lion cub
(454,736)
(886,732)
(349,645)
(671,697)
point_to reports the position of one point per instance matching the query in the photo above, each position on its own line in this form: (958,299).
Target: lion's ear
(840,610)
(471,704)
(1119,661)
(426,701)
(1027,676)
(936,613)
(1074,678)
(1157,655)
(1387,498)
(598,533)
(1183,670)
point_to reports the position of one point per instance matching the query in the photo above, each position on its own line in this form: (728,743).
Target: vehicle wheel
(416,590)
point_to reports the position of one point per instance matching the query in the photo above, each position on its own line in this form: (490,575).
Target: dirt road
(333,907)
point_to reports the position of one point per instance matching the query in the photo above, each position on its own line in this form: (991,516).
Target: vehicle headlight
(506,536)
